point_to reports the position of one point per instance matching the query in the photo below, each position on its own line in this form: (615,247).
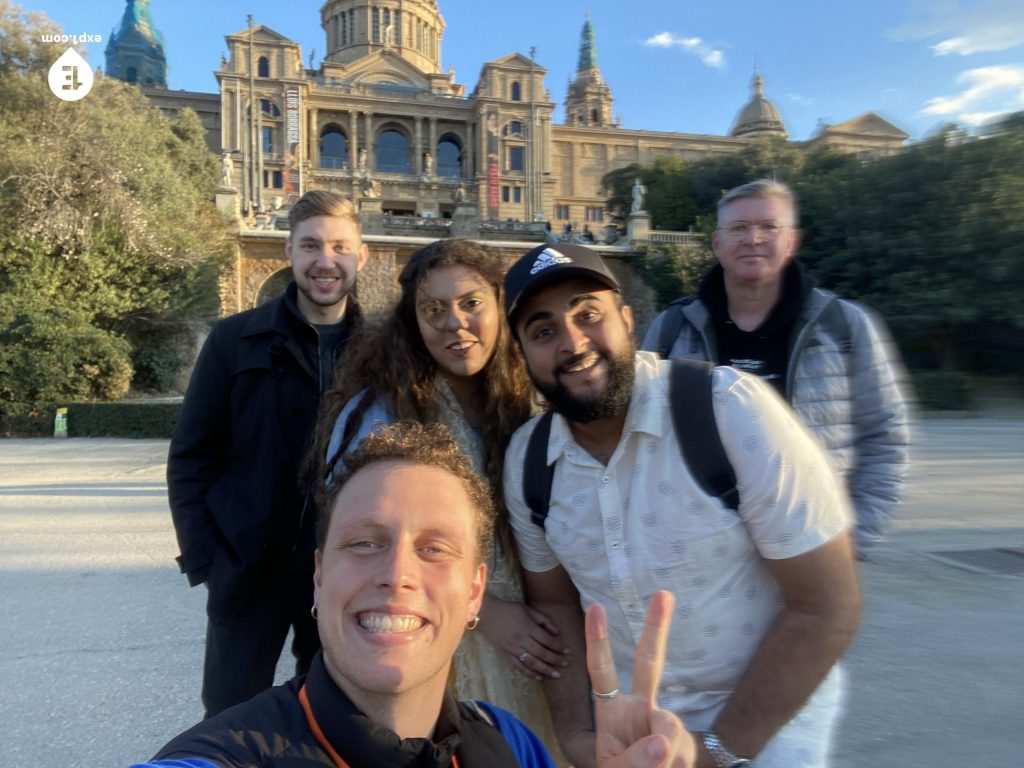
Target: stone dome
(759,116)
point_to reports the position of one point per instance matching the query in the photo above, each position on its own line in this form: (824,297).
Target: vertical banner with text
(292,107)
(491,121)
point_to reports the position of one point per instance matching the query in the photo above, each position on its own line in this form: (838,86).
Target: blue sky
(672,66)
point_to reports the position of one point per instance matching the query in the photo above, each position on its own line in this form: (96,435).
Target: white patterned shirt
(641,523)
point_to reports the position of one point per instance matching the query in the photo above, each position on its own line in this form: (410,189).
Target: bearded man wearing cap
(767,597)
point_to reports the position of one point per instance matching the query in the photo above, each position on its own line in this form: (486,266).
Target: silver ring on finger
(523,657)
(609,695)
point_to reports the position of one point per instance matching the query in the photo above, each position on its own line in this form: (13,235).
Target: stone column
(417,165)
(314,137)
(353,139)
(370,161)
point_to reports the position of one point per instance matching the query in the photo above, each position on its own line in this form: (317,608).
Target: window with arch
(263,67)
(132,75)
(393,152)
(449,157)
(516,91)
(513,128)
(595,118)
(333,148)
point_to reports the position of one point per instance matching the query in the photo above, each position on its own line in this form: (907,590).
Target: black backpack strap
(693,417)
(537,473)
(671,325)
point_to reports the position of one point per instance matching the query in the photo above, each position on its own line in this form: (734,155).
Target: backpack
(693,419)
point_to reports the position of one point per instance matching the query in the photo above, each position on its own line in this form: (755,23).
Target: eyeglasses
(740,230)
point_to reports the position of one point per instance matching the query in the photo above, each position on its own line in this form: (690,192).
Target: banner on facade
(292,141)
(491,122)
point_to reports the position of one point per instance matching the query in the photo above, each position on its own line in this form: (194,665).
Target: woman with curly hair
(445,354)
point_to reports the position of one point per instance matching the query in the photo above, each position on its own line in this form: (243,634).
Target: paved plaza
(103,640)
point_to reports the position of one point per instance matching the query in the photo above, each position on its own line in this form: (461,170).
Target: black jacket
(273,729)
(232,470)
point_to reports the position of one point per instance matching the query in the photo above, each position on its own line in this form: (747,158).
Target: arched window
(516,91)
(594,118)
(263,67)
(333,148)
(132,75)
(393,152)
(449,158)
(514,128)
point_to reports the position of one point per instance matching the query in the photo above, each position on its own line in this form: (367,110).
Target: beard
(613,401)
(345,286)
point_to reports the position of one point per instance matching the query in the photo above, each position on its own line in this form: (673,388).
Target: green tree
(930,237)
(105,204)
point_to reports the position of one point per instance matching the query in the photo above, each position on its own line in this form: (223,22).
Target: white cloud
(711,57)
(987,92)
(974,119)
(803,101)
(968,28)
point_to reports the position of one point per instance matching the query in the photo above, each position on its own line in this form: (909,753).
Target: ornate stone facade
(380,121)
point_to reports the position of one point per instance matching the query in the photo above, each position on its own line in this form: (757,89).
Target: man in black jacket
(245,526)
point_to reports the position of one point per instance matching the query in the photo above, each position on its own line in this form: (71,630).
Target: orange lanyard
(338,760)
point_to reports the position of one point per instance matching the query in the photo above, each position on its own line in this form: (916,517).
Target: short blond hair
(321,202)
(760,189)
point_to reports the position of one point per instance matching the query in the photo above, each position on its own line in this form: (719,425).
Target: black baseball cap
(547,264)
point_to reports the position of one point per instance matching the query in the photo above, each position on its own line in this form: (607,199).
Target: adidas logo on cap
(548,258)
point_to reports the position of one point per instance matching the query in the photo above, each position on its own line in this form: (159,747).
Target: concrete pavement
(103,640)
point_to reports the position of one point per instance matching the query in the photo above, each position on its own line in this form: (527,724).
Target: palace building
(423,156)
(378,118)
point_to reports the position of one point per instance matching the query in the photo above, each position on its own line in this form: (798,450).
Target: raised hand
(632,732)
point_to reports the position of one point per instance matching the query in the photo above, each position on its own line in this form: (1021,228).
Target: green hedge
(114,419)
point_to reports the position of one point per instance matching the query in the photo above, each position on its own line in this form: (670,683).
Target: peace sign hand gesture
(632,732)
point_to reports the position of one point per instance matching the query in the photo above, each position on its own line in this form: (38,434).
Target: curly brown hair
(390,360)
(415,443)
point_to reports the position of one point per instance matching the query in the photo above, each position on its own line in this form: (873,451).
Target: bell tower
(135,52)
(589,100)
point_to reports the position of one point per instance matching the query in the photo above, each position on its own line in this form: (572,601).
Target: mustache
(576,360)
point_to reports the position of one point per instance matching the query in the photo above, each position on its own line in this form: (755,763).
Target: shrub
(134,420)
(53,354)
(149,420)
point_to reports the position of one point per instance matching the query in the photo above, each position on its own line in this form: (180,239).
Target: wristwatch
(723,757)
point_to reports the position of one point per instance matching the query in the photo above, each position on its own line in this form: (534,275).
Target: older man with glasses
(831,359)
